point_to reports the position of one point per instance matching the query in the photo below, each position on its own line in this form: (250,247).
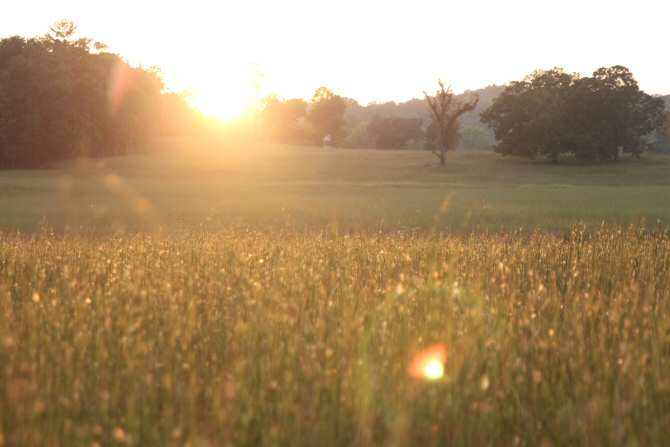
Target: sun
(221,90)
(225,104)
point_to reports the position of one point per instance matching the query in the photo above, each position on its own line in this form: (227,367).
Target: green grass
(194,184)
(277,296)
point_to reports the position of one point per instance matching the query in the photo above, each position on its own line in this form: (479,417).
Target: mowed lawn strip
(264,186)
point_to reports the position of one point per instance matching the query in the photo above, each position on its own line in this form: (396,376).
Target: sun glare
(225,105)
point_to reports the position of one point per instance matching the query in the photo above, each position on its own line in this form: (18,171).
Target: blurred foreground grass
(243,337)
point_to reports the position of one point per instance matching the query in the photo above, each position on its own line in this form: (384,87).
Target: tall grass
(303,338)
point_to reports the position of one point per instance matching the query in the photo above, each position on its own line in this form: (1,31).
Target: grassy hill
(310,187)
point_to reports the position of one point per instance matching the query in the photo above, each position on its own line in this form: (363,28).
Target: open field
(299,187)
(257,302)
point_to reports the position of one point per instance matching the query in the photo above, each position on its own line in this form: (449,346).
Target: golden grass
(298,338)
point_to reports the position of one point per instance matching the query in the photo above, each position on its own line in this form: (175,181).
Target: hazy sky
(368,50)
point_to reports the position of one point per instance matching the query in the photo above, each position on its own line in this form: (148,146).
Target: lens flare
(121,81)
(430,363)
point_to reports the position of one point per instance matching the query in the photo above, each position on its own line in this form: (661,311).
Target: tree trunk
(443,154)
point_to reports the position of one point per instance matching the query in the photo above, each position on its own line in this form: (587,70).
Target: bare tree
(446,109)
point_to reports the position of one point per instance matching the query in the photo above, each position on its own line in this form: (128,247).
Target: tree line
(62,97)
(390,125)
(549,114)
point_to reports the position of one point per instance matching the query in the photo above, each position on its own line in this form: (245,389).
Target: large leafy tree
(446,109)
(63,97)
(550,113)
(326,115)
(528,118)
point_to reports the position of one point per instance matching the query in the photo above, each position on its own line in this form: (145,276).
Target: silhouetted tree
(445,110)
(283,120)
(62,97)
(326,115)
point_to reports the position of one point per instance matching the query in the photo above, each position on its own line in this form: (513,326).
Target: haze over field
(230,53)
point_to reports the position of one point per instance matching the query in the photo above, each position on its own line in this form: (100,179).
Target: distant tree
(394,133)
(283,119)
(445,110)
(326,115)
(552,112)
